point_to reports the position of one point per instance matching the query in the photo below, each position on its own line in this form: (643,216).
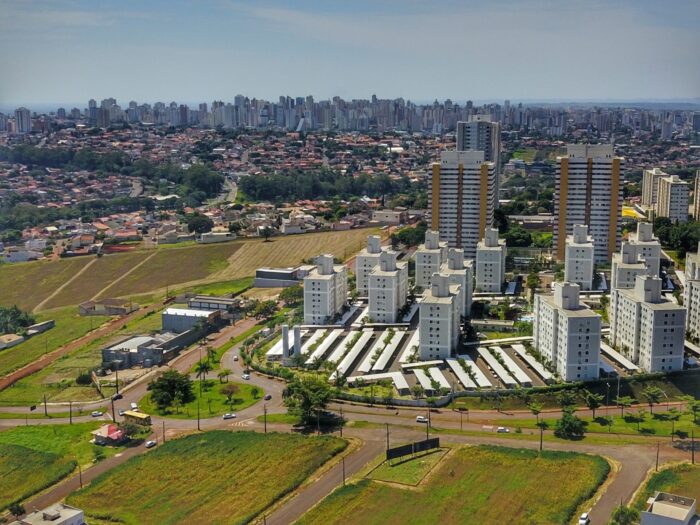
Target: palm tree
(221,376)
(653,396)
(226,372)
(211,352)
(536,409)
(201,370)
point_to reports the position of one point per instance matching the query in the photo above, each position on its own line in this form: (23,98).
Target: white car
(235,358)
(150,444)
(246,376)
(229,416)
(421,419)
(96,413)
(583,519)
(121,412)
(502,430)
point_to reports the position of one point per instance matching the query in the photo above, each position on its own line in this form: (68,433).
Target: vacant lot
(101,274)
(215,477)
(683,480)
(27,284)
(35,457)
(57,380)
(69,326)
(408,471)
(474,485)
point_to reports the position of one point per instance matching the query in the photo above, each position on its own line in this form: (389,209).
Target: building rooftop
(59,513)
(187,312)
(671,506)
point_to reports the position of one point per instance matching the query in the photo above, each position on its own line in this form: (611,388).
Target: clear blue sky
(200,50)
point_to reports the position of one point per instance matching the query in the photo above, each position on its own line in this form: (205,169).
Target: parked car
(117,397)
(235,358)
(229,416)
(421,419)
(584,519)
(268,397)
(246,376)
(96,413)
(502,430)
(121,411)
(134,406)
(150,444)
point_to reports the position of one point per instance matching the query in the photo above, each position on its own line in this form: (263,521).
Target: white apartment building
(429,258)
(388,287)
(647,246)
(650,186)
(490,262)
(461,272)
(325,291)
(439,319)
(578,261)
(691,295)
(567,333)
(589,191)
(646,327)
(463,190)
(626,266)
(365,262)
(672,200)
(479,133)
(696,197)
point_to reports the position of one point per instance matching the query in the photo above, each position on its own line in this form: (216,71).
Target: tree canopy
(169,386)
(13,320)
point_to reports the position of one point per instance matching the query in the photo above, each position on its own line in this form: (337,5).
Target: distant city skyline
(530,50)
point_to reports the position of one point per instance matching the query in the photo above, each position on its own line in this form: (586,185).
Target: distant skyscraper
(480,134)
(463,192)
(588,191)
(696,197)
(650,185)
(23,120)
(672,199)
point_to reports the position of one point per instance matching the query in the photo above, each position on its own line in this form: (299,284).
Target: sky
(68,51)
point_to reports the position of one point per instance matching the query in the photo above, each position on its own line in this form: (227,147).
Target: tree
(307,397)
(13,320)
(211,352)
(533,282)
(225,373)
(129,429)
(569,426)
(692,406)
(292,295)
(198,223)
(255,392)
(623,402)
(266,233)
(201,370)
(593,401)
(167,386)
(624,516)
(536,409)
(653,395)
(229,390)
(417,391)
(221,375)
(16,509)
(567,398)
(265,309)
(638,417)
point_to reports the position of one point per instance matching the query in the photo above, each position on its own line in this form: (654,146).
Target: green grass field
(214,477)
(474,485)
(57,380)
(69,326)
(35,457)
(27,284)
(408,471)
(683,480)
(213,402)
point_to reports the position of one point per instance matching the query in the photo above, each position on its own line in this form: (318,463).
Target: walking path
(122,276)
(58,290)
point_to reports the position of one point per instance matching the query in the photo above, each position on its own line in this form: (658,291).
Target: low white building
(691,295)
(366,261)
(439,320)
(461,272)
(646,328)
(325,291)
(567,333)
(58,514)
(490,262)
(388,288)
(429,257)
(669,509)
(578,258)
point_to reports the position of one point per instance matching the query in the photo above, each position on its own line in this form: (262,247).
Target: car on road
(150,444)
(421,419)
(502,430)
(229,416)
(268,397)
(134,406)
(96,413)
(583,519)
(117,397)
(246,376)
(121,411)
(235,358)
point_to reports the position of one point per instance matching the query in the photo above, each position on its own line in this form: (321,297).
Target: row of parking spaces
(346,363)
(624,363)
(397,378)
(324,346)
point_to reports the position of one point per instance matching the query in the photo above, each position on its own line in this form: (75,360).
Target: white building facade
(388,288)
(490,262)
(691,295)
(673,199)
(429,258)
(578,261)
(325,291)
(461,272)
(439,320)
(365,262)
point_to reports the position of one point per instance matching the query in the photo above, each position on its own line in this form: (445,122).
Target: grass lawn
(213,477)
(526,155)
(35,457)
(57,380)
(683,480)
(476,485)
(651,425)
(287,419)
(213,402)
(69,326)
(409,471)
(28,284)
(235,286)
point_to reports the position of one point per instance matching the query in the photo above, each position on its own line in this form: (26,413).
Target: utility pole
(80,473)
(265,417)
(541,435)
(163,431)
(343,471)
(113,416)
(342,421)
(427,427)
(116,381)
(70,412)
(46,411)
(657,456)
(692,446)
(198,427)
(387,436)
(460,421)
